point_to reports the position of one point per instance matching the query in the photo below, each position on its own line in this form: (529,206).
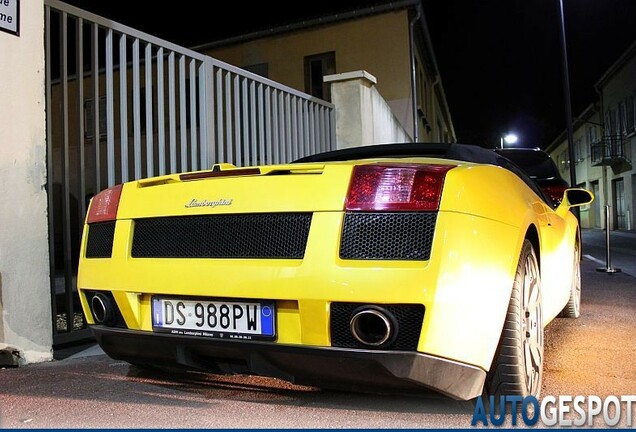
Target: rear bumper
(382,371)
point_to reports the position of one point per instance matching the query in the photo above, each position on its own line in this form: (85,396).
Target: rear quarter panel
(485,215)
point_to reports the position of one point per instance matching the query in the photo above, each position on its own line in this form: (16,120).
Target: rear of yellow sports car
(385,274)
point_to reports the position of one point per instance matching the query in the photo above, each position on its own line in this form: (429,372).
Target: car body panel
(169,195)
(484,216)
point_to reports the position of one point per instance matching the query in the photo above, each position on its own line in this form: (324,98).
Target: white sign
(9,16)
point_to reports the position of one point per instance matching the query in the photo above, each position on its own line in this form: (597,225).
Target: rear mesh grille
(387,236)
(100,240)
(276,235)
(409,318)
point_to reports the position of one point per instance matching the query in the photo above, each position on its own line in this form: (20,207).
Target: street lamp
(566,97)
(568,106)
(508,139)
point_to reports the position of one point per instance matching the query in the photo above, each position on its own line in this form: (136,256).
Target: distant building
(587,130)
(605,147)
(376,39)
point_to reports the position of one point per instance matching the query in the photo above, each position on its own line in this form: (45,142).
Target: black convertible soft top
(460,152)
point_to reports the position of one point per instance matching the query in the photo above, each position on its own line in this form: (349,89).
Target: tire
(517,367)
(573,308)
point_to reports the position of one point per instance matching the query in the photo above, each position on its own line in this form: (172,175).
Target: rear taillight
(555,193)
(104,205)
(396,187)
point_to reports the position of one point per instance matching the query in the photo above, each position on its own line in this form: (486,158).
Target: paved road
(589,356)
(622,249)
(594,355)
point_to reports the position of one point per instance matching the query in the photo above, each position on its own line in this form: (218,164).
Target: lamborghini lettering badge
(205,203)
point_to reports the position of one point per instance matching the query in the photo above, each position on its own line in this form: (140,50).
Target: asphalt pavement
(84,388)
(622,249)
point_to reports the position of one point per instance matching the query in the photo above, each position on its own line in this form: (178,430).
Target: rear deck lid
(269,189)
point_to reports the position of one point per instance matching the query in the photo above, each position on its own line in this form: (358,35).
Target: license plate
(223,319)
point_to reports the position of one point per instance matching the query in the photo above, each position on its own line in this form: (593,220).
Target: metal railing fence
(611,150)
(123,105)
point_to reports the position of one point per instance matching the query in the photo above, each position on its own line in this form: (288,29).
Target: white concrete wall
(363,117)
(25,301)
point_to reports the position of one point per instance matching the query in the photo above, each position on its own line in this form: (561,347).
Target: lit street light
(508,139)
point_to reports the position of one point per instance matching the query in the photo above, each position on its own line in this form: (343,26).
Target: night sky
(500,60)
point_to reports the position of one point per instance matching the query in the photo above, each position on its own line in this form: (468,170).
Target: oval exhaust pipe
(373,326)
(102,309)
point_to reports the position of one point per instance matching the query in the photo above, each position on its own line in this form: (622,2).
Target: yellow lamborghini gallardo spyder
(394,267)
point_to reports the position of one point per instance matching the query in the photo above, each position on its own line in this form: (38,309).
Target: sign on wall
(10,16)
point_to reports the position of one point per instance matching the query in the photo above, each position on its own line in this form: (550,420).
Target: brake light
(555,193)
(104,205)
(396,187)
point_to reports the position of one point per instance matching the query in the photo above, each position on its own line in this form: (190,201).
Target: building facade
(587,131)
(390,41)
(605,147)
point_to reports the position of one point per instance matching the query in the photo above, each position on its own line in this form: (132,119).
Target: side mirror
(574,197)
(577,197)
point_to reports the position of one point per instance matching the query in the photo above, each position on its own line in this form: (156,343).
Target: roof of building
(627,55)
(300,19)
(325,15)
(583,118)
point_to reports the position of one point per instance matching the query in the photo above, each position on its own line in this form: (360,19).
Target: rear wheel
(517,368)
(573,308)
